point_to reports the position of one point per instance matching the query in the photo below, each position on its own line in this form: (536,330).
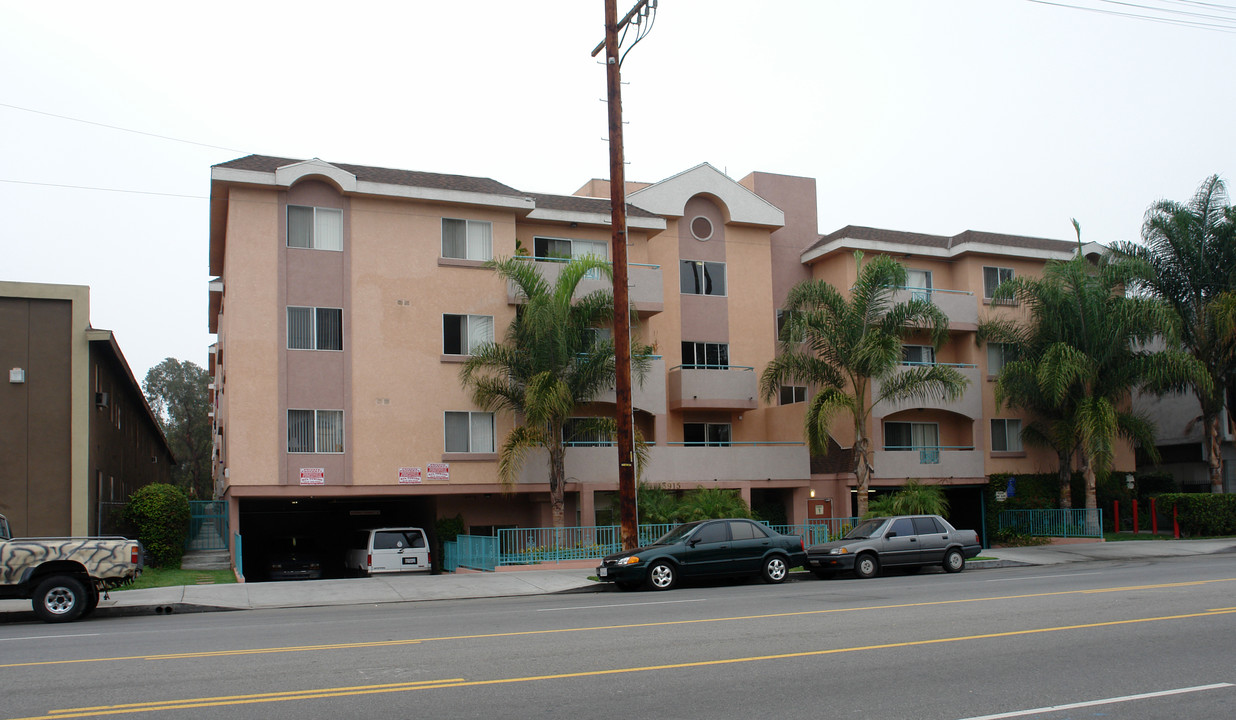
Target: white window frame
(1001,278)
(478,239)
(475,420)
(797,394)
(320,221)
(701,270)
(315,341)
(1010,430)
(708,427)
(318,431)
(997,357)
(471,325)
(929,350)
(919,292)
(699,347)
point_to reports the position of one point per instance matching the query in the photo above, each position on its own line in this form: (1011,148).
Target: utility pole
(618,221)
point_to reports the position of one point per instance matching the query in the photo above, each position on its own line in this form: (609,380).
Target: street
(1134,640)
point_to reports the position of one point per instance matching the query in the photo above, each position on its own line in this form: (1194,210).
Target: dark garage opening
(320,528)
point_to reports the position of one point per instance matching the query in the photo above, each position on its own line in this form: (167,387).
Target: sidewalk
(542,579)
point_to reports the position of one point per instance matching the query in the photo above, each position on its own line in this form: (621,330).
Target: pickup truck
(64,577)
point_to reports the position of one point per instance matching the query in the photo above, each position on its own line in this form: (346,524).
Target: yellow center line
(596,628)
(323,693)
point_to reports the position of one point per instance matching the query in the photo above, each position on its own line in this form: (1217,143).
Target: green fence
(1053,523)
(208,525)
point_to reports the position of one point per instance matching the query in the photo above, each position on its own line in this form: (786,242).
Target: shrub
(706,503)
(1011,538)
(1202,514)
(160,512)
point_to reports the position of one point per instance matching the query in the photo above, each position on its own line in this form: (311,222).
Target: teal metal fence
(240,558)
(475,552)
(208,525)
(528,546)
(1053,523)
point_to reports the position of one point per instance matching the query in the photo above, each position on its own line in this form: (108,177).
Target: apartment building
(76,435)
(346,297)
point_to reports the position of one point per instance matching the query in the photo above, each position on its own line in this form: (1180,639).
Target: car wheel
(823,574)
(60,598)
(662,576)
(954,561)
(92,600)
(866,566)
(627,585)
(775,569)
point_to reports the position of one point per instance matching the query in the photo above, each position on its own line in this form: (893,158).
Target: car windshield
(676,534)
(865,529)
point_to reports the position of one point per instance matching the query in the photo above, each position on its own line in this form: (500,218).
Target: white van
(388,550)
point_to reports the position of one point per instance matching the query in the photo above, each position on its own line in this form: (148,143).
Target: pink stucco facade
(386,385)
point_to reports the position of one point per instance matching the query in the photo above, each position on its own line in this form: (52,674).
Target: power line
(122,129)
(1222,26)
(103,189)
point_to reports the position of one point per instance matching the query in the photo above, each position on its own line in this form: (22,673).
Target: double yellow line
(321,693)
(597,628)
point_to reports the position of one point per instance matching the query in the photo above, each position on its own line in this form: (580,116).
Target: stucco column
(587,506)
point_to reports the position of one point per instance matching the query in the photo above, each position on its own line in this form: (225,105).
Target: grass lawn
(168,577)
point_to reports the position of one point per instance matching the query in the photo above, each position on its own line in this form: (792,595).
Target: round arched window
(701,228)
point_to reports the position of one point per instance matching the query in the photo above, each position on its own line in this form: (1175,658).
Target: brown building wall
(35,440)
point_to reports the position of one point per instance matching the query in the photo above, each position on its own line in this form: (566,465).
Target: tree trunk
(862,471)
(1092,500)
(1216,454)
(1066,480)
(557,485)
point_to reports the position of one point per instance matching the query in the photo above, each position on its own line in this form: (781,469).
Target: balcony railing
(645,291)
(958,305)
(712,387)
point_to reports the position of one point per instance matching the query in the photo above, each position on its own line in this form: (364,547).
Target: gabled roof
(384,176)
(669,197)
(855,237)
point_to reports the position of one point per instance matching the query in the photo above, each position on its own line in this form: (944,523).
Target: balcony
(958,306)
(643,284)
(928,462)
(650,397)
(682,465)
(970,404)
(712,387)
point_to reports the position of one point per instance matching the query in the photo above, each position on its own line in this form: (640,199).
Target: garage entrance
(305,531)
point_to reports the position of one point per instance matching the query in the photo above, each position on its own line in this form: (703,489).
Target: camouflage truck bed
(64,577)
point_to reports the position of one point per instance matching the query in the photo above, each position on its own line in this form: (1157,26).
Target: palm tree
(914,498)
(549,364)
(1188,258)
(842,345)
(1082,354)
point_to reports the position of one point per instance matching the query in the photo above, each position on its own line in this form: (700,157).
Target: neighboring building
(1184,449)
(346,297)
(77,437)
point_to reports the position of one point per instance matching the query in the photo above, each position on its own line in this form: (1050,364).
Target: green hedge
(160,512)
(1201,514)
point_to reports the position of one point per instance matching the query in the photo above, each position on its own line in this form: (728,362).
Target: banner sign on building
(313,476)
(438,471)
(409,475)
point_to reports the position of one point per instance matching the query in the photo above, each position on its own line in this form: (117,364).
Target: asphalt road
(1128,640)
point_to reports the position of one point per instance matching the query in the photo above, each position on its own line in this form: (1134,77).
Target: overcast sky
(932,116)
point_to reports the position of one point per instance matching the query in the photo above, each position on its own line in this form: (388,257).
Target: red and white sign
(313,476)
(409,476)
(438,471)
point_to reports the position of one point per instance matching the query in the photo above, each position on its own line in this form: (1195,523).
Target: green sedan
(731,547)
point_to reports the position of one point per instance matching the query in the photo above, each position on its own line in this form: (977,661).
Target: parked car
(294,558)
(909,541)
(388,550)
(705,548)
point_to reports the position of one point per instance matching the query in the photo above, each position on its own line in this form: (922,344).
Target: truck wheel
(60,598)
(92,600)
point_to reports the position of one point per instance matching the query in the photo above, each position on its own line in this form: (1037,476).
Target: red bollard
(1116,526)
(1154,519)
(1175,525)
(1135,530)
